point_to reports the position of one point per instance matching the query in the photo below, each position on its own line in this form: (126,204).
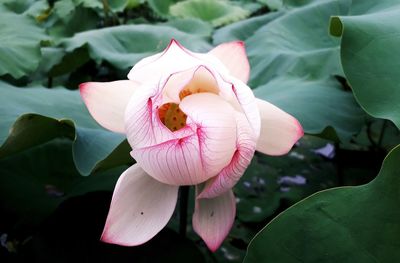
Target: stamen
(185,92)
(172,117)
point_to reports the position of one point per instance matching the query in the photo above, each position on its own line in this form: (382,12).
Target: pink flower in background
(190,120)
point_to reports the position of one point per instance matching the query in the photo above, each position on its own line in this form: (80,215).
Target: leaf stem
(339,165)
(384,125)
(183,209)
(369,135)
(106,9)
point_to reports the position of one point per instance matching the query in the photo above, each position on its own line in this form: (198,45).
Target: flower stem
(183,208)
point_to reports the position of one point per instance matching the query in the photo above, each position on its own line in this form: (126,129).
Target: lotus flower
(190,119)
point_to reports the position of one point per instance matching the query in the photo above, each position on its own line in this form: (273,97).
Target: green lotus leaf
(20,44)
(35,115)
(123,46)
(218,13)
(370,39)
(345,224)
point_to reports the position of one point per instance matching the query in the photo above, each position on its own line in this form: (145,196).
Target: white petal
(142,123)
(233,56)
(279,130)
(175,162)
(216,129)
(213,218)
(202,149)
(230,175)
(106,101)
(140,208)
(247,101)
(195,80)
(175,58)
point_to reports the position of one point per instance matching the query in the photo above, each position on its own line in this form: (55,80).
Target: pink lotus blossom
(190,119)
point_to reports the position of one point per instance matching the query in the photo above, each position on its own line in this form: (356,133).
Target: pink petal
(140,208)
(142,124)
(214,218)
(230,175)
(215,120)
(173,59)
(203,148)
(279,130)
(106,101)
(233,56)
(175,162)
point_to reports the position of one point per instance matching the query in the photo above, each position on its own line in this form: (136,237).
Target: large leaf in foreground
(123,46)
(33,183)
(19,44)
(371,56)
(57,113)
(347,224)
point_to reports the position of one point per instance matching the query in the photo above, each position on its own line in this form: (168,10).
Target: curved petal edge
(279,130)
(140,208)
(230,175)
(106,101)
(233,56)
(214,218)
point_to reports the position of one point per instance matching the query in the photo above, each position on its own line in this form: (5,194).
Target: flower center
(171,116)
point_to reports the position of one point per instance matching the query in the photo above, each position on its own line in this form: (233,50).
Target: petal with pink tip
(213,218)
(106,101)
(140,208)
(233,56)
(279,130)
(230,175)
(175,58)
(142,124)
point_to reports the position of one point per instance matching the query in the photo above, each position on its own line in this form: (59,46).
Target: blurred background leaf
(114,44)
(161,7)
(20,44)
(218,13)
(371,69)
